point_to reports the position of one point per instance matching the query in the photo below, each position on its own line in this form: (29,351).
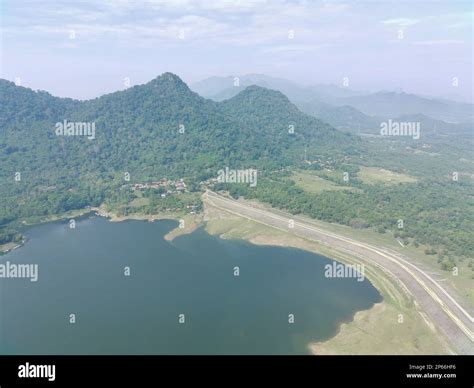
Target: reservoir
(133,292)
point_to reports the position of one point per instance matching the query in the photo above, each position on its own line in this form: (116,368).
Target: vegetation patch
(372,175)
(314,184)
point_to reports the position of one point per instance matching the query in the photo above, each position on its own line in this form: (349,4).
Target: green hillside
(158,130)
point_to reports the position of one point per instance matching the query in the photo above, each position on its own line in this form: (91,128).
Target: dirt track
(446,313)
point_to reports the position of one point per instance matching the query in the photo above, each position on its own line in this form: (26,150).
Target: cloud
(184,6)
(401,22)
(293,48)
(143,23)
(437,42)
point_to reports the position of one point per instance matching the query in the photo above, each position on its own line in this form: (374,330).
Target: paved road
(454,321)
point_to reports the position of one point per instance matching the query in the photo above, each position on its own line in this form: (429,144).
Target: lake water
(81,272)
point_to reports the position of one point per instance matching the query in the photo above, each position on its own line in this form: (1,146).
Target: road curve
(454,321)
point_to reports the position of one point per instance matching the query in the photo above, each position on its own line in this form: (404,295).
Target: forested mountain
(271,112)
(162,129)
(139,128)
(20,105)
(158,130)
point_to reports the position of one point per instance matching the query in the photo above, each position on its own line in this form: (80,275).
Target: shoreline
(420,336)
(4,251)
(392,295)
(318,348)
(395,296)
(190,222)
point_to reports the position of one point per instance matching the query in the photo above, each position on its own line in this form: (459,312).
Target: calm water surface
(81,271)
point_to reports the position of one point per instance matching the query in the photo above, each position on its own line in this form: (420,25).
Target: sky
(83,49)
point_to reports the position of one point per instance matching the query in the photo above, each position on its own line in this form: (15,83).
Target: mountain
(141,124)
(345,118)
(160,129)
(19,106)
(433,126)
(222,88)
(271,112)
(59,155)
(313,100)
(391,104)
(343,108)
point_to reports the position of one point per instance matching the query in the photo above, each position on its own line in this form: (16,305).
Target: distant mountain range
(350,110)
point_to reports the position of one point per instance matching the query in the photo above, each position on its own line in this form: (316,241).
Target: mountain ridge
(310,99)
(151,131)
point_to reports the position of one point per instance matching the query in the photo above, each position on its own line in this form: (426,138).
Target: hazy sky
(83,49)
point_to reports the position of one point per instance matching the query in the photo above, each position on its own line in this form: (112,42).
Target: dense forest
(164,130)
(158,130)
(434,214)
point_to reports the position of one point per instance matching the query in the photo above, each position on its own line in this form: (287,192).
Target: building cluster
(168,185)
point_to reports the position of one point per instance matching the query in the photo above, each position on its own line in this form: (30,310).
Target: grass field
(314,184)
(378,331)
(139,202)
(372,175)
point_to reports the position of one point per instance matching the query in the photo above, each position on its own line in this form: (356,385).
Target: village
(166,186)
